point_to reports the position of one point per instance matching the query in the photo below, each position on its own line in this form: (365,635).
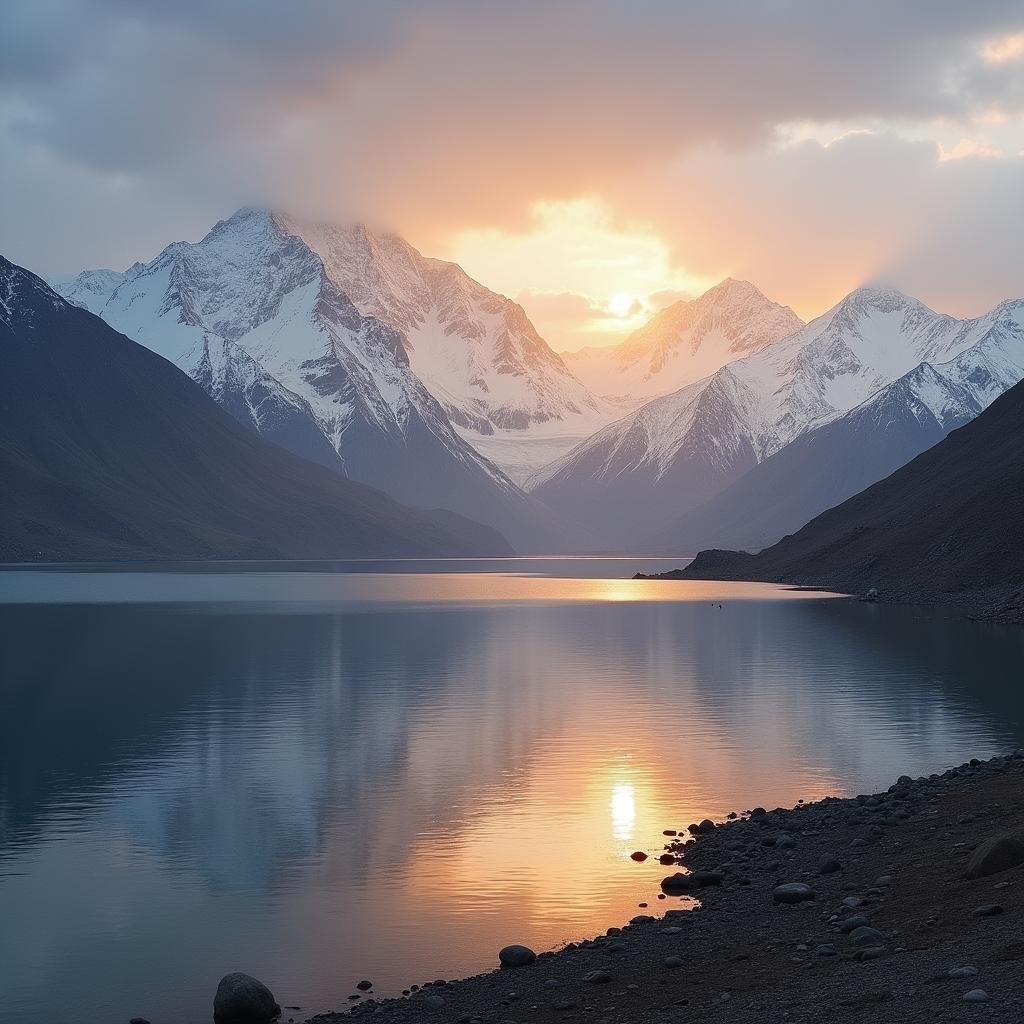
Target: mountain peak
(244,220)
(731,290)
(883,298)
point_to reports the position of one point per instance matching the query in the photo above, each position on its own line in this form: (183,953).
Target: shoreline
(999,607)
(893,926)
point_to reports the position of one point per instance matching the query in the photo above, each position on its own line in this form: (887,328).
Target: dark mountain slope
(108,451)
(947,528)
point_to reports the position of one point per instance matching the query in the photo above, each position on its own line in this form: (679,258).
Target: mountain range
(108,451)
(636,481)
(948,528)
(832,462)
(266,313)
(353,350)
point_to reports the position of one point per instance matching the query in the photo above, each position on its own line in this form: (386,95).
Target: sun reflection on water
(623,808)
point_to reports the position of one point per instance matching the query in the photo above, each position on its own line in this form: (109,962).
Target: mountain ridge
(255,295)
(678,452)
(109,451)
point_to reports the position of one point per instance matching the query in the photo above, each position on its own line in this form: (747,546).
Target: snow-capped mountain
(108,451)
(503,388)
(639,475)
(91,288)
(254,313)
(686,341)
(830,463)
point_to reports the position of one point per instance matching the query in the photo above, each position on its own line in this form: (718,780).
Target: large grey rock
(516,956)
(792,892)
(866,936)
(997,854)
(241,999)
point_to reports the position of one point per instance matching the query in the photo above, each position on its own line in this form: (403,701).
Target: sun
(621,304)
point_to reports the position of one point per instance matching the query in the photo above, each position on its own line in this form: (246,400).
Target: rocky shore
(906,905)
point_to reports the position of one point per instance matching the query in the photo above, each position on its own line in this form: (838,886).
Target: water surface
(389,770)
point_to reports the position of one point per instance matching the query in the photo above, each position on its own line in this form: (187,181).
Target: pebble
(976,995)
(672,961)
(433,1001)
(826,949)
(364,985)
(639,856)
(830,867)
(598,978)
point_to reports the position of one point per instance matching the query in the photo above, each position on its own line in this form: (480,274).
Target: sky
(594,160)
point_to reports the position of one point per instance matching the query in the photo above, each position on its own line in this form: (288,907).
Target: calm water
(391,771)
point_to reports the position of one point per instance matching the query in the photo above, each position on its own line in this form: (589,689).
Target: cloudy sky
(594,160)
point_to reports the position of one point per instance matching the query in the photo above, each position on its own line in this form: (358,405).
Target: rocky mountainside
(947,528)
(636,477)
(257,315)
(832,462)
(686,341)
(108,451)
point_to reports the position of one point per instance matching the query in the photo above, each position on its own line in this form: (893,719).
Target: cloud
(124,125)
(809,222)
(1007,48)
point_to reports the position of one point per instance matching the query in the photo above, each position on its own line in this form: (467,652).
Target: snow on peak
(686,341)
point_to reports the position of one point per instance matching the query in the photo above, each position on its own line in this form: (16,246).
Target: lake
(323,773)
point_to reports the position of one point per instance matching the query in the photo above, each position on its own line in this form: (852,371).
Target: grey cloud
(443,112)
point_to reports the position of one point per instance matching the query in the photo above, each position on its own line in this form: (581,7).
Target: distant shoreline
(998,607)
(893,925)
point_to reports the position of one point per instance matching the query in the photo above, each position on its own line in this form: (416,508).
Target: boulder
(994,855)
(866,936)
(241,999)
(792,892)
(676,883)
(516,956)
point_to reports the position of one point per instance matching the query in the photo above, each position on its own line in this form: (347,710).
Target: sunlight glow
(621,304)
(609,276)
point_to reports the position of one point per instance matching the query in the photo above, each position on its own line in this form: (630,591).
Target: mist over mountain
(107,451)
(686,341)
